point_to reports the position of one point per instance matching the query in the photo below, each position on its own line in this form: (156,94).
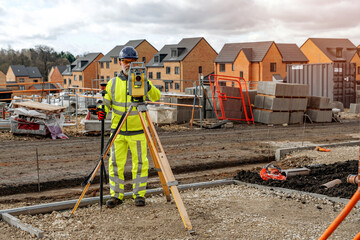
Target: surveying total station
(138,87)
(137,82)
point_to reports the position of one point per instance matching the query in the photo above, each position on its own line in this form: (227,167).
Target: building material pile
(280,103)
(319,109)
(37,118)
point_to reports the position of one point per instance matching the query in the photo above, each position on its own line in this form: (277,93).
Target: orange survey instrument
(233,103)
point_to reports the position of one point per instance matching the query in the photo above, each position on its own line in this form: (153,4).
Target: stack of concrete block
(279,103)
(319,109)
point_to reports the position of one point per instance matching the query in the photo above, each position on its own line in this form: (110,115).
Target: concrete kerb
(281,152)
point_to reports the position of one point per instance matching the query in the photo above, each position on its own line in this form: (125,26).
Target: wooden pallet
(213,123)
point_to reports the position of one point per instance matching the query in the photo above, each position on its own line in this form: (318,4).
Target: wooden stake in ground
(37,168)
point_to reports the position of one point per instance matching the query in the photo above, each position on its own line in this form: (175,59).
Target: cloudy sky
(83,26)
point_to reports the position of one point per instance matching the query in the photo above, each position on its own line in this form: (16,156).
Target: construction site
(241,162)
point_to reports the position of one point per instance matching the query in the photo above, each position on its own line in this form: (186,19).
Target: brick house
(2,79)
(257,61)
(55,74)
(109,66)
(83,72)
(20,74)
(331,50)
(176,66)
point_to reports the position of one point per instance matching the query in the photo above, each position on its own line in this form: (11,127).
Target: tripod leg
(102,170)
(166,170)
(155,158)
(108,146)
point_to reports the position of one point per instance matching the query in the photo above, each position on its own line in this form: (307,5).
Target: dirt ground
(66,162)
(232,212)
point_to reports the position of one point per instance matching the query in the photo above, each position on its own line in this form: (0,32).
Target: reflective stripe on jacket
(119,101)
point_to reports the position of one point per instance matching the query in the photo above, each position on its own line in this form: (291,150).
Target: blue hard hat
(128,52)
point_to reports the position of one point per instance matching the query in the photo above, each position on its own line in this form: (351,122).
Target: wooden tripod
(159,158)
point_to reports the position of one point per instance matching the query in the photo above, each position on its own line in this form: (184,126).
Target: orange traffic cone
(320,149)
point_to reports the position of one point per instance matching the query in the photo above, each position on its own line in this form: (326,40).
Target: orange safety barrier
(27,83)
(236,83)
(30,90)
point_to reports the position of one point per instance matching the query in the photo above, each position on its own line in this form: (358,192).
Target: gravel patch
(225,212)
(310,157)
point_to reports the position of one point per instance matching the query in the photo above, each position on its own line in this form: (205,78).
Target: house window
(156,59)
(150,75)
(21,80)
(166,87)
(241,74)
(36,80)
(200,69)
(338,52)
(115,74)
(173,53)
(158,75)
(171,85)
(75,78)
(177,86)
(101,65)
(144,59)
(107,78)
(107,64)
(102,77)
(64,80)
(167,70)
(233,67)
(272,67)
(80,77)
(222,67)
(69,81)
(115,60)
(177,70)
(22,87)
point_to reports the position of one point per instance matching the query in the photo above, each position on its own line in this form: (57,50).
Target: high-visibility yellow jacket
(119,101)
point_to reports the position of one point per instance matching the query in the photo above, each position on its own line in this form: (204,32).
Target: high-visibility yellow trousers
(140,165)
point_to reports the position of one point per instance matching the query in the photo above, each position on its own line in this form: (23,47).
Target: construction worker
(131,134)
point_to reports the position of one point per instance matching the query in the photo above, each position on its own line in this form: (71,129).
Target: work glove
(101,115)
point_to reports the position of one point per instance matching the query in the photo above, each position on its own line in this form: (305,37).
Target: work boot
(139,201)
(113,202)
